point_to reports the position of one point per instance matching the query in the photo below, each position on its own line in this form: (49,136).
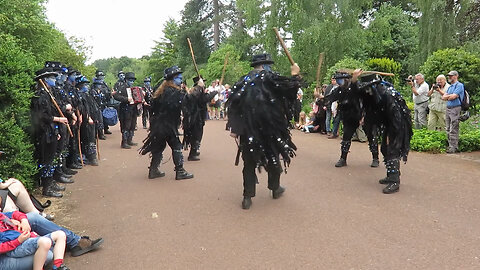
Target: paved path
(329,218)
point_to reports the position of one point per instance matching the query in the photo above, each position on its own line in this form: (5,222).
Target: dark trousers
(175,144)
(197,135)
(145,115)
(349,128)
(128,118)
(250,178)
(73,153)
(371,130)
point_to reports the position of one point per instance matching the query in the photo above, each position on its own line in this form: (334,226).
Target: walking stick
(193,57)
(348,70)
(285,49)
(56,105)
(80,146)
(98,148)
(224,69)
(319,68)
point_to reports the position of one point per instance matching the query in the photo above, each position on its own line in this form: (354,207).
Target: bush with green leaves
(346,63)
(16,73)
(386,65)
(424,140)
(234,69)
(466,63)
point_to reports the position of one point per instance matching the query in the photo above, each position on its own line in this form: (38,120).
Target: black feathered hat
(81,80)
(99,73)
(56,66)
(130,76)
(71,70)
(370,78)
(45,72)
(259,59)
(170,72)
(341,75)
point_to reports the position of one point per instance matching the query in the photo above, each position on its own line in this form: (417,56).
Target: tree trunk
(216,25)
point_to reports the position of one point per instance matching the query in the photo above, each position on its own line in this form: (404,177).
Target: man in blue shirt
(453,96)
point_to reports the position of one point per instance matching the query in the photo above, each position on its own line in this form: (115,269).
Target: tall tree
(392,33)
(165,51)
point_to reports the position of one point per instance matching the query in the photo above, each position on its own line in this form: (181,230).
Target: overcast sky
(114,28)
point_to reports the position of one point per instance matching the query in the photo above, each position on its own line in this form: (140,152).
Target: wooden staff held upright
(56,105)
(80,145)
(285,49)
(193,57)
(319,68)
(224,69)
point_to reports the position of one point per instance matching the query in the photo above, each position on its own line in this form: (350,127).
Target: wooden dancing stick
(98,148)
(56,105)
(80,146)
(319,68)
(193,57)
(348,70)
(285,49)
(224,69)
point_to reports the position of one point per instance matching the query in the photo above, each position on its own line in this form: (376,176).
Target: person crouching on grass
(17,241)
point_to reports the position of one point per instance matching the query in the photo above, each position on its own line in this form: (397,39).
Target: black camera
(436,86)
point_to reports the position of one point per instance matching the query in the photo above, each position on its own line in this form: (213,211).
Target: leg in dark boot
(373,146)
(393,176)
(48,189)
(181,173)
(101,136)
(57,187)
(343,158)
(375,161)
(153,171)
(192,156)
(130,139)
(274,172)
(65,168)
(249,180)
(106,130)
(92,160)
(124,140)
(57,176)
(247,202)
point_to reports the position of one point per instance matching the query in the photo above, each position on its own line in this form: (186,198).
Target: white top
(422,90)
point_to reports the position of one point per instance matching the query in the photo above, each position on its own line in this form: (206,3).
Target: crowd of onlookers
(323,117)
(437,108)
(216,107)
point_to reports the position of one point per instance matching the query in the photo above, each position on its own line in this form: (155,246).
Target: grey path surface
(329,218)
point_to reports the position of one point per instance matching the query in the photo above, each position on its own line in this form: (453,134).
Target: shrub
(307,108)
(467,64)
(424,140)
(347,63)
(386,65)
(469,139)
(16,72)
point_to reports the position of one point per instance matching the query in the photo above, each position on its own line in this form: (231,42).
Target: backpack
(465,102)
(110,116)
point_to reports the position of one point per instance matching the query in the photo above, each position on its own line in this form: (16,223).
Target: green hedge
(431,141)
(16,72)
